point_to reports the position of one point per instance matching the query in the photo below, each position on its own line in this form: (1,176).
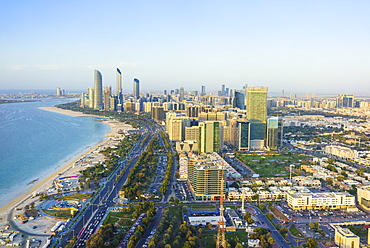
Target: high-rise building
(257,115)
(274,133)
(256,104)
(205,175)
(119,81)
(182,94)
(59,92)
(136,88)
(345,101)
(91,98)
(175,125)
(203,91)
(107,96)
(238,100)
(210,136)
(158,113)
(98,90)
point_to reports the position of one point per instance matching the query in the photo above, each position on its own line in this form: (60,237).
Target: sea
(35,142)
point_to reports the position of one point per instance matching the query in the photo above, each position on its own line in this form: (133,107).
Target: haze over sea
(35,142)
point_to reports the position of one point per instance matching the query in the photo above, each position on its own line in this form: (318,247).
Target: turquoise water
(36,142)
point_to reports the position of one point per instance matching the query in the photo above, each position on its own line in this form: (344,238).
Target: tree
(262,207)
(200,232)
(270,216)
(311,243)
(284,231)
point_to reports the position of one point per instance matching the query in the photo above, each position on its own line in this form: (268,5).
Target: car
(34,227)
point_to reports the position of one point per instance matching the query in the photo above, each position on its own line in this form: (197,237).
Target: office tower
(256,115)
(136,88)
(98,90)
(182,94)
(107,96)
(164,92)
(210,136)
(274,133)
(203,91)
(239,98)
(243,134)
(256,104)
(119,81)
(205,175)
(223,90)
(59,92)
(90,92)
(345,101)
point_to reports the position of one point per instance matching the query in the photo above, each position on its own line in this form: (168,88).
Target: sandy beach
(44,183)
(69,112)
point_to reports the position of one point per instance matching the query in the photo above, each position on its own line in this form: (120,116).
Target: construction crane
(221,241)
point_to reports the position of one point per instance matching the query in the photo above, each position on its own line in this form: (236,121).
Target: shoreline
(69,112)
(42,183)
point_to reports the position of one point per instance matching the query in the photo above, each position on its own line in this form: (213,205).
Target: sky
(305,46)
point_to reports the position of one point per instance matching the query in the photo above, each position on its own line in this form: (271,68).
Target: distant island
(14,101)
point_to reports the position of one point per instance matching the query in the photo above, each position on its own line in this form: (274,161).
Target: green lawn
(208,236)
(63,214)
(119,217)
(359,231)
(75,197)
(274,165)
(294,231)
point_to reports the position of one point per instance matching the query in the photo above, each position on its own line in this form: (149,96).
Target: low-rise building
(327,200)
(344,238)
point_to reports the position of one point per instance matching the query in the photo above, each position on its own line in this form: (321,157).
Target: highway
(90,219)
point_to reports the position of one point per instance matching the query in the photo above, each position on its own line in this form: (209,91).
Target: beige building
(341,152)
(344,238)
(192,133)
(363,196)
(328,200)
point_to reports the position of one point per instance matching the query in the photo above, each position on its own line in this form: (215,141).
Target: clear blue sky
(311,46)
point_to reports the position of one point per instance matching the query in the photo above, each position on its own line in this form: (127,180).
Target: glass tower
(98,90)
(136,88)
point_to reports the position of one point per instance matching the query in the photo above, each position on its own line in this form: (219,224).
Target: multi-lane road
(91,217)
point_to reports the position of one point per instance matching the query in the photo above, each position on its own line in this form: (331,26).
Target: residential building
(210,136)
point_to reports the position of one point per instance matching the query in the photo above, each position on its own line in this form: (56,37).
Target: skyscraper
(107,96)
(210,136)
(345,101)
(274,133)
(182,94)
(136,88)
(119,81)
(98,90)
(257,115)
(203,92)
(256,103)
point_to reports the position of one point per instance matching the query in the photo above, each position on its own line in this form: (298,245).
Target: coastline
(69,112)
(43,182)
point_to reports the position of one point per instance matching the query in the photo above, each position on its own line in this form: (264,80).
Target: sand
(69,112)
(47,182)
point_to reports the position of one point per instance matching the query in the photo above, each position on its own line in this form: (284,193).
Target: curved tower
(136,88)
(98,90)
(119,81)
